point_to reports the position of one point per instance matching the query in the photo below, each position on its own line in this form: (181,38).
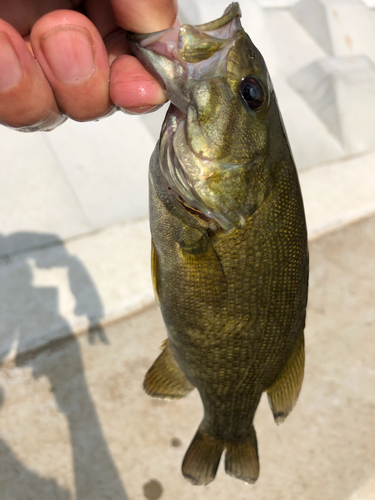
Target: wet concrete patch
(153,489)
(176,442)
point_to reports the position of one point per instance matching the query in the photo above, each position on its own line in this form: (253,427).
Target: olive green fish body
(230,258)
(235,309)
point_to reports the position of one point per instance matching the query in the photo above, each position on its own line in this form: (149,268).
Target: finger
(23,14)
(100,12)
(132,88)
(26,98)
(73,57)
(145,16)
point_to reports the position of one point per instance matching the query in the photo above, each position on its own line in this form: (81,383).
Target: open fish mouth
(183,59)
(193,43)
(185,52)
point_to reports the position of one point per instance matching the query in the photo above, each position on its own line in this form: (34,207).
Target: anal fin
(165,379)
(283,393)
(154,271)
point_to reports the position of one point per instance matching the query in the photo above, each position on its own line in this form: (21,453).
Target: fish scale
(230,257)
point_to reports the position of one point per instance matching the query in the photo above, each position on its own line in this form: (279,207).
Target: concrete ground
(75,423)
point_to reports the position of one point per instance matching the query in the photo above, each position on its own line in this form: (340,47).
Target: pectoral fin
(283,393)
(165,379)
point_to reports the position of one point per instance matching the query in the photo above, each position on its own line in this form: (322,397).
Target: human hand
(76,63)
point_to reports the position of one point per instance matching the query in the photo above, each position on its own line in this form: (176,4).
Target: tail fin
(203,456)
(241,459)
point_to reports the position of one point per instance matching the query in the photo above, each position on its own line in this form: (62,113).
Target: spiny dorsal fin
(283,393)
(165,379)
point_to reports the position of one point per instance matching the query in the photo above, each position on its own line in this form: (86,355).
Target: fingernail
(141,110)
(69,53)
(10,68)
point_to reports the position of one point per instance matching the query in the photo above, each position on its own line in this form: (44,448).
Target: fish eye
(253,92)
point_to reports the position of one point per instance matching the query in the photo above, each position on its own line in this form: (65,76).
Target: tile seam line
(66,336)
(67,178)
(70,239)
(330,163)
(327,230)
(320,233)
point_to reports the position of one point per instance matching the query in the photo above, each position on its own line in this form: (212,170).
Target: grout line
(335,161)
(53,344)
(67,178)
(344,223)
(76,237)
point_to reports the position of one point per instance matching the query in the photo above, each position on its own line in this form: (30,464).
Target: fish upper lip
(168,42)
(232,11)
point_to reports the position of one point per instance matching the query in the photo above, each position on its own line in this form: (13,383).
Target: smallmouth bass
(229,241)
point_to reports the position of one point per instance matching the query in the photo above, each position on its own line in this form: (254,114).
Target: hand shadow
(24,308)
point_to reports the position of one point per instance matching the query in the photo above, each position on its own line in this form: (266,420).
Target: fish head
(215,138)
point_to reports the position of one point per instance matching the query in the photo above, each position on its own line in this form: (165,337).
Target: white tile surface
(338,91)
(35,195)
(107,164)
(338,193)
(283,30)
(310,140)
(356,100)
(352,28)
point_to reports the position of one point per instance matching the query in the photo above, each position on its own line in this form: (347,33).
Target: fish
(229,253)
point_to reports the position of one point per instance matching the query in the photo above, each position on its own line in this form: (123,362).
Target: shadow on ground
(25,307)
